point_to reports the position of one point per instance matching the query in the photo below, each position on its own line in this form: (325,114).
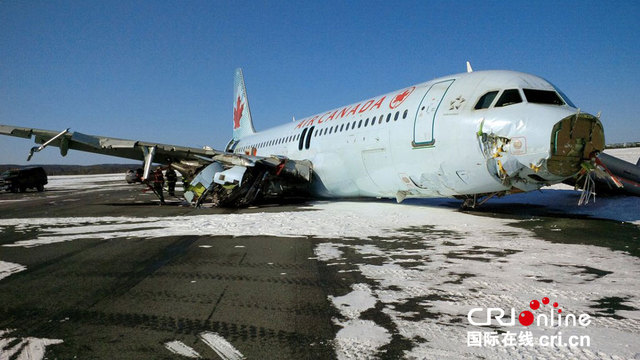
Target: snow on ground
(330,220)
(627,154)
(432,265)
(64,182)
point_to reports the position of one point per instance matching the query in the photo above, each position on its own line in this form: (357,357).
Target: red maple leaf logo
(398,99)
(237,113)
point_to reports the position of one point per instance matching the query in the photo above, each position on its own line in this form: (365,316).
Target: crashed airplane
(470,136)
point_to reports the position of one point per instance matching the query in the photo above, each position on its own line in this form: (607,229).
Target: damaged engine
(231,181)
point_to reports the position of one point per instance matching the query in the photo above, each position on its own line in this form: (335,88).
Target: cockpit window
(542,97)
(564,96)
(509,97)
(485,100)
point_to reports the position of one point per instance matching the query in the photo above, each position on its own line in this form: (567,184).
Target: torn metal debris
(238,186)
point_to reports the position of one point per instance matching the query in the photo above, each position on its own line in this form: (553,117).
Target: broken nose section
(574,139)
(525,163)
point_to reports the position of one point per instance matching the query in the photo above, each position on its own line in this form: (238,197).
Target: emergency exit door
(425,118)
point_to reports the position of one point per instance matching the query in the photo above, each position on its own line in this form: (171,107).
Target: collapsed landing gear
(475,201)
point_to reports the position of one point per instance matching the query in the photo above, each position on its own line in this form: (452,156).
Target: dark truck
(23,179)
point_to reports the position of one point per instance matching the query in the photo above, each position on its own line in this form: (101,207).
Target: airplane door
(426,116)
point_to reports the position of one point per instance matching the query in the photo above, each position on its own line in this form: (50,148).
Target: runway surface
(94,268)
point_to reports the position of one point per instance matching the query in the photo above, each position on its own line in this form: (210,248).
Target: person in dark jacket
(158,182)
(172,178)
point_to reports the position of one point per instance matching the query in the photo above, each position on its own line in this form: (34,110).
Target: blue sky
(163,71)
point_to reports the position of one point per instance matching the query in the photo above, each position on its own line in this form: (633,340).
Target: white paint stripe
(35,348)
(29,348)
(225,350)
(8,352)
(7,268)
(178,347)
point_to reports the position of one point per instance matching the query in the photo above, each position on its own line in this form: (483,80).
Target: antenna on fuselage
(469,69)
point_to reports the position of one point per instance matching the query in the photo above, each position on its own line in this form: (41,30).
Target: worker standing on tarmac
(158,182)
(172,178)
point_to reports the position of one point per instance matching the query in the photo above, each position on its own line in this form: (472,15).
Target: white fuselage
(425,140)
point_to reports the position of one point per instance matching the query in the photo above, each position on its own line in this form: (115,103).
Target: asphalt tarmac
(125,298)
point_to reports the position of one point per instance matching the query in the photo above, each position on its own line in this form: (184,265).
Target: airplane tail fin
(242,123)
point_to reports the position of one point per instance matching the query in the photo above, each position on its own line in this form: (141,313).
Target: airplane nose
(574,139)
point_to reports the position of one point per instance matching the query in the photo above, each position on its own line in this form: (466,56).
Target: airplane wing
(130,149)
(252,177)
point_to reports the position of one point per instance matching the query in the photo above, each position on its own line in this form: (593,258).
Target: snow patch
(328,251)
(360,339)
(354,303)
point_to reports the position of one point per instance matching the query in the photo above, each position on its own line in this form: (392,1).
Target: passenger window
(381,118)
(395,118)
(341,127)
(404,115)
(353,125)
(485,100)
(347,128)
(373,121)
(388,117)
(359,124)
(509,97)
(366,122)
(330,130)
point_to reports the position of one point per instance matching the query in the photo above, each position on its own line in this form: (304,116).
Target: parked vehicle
(133,176)
(23,179)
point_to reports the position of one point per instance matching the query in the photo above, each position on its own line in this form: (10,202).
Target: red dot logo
(559,311)
(526,318)
(545,300)
(555,304)
(534,304)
